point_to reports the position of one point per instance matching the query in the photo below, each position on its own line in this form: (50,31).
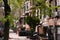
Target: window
(38,13)
(26,6)
(58,2)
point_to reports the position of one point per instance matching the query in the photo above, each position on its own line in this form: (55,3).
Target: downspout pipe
(55,24)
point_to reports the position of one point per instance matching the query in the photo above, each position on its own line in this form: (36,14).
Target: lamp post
(6,27)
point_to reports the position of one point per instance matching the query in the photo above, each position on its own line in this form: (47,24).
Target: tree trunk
(6,27)
(6,30)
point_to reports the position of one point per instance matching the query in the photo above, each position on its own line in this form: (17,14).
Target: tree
(0,1)
(16,6)
(7,12)
(32,21)
(7,9)
(44,10)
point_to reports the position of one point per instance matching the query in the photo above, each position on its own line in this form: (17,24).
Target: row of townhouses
(28,4)
(26,10)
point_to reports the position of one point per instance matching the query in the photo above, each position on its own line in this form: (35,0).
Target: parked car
(24,32)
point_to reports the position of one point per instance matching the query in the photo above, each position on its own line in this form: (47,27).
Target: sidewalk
(14,36)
